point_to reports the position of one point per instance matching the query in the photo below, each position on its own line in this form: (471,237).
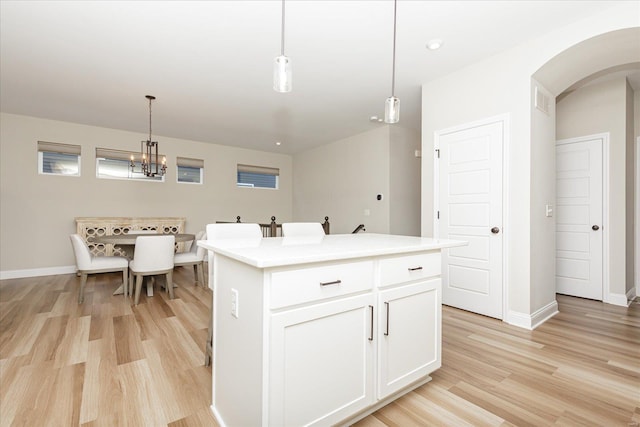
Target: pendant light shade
(282,66)
(282,74)
(392,110)
(392,104)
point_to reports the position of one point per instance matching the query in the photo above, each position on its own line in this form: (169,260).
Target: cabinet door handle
(371,330)
(335,282)
(415,268)
(387,329)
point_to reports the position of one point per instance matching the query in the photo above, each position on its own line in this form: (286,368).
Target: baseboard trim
(533,320)
(620,299)
(37,272)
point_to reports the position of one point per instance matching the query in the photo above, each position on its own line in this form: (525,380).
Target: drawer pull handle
(415,268)
(371,333)
(335,282)
(387,331)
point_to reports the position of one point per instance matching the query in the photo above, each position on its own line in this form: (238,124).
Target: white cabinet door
(321,362)
(408,334)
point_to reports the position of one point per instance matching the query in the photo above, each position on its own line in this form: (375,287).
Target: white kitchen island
(322,330)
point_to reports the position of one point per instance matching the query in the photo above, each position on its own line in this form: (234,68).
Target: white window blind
(58,159)
(190,170)
(257,176)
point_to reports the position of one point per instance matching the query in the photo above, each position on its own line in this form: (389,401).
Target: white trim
(607,296)
(37,272)
(637,219)
(620,299)
(534,320)
(506,133)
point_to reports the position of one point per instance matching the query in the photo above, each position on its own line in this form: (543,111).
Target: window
(257,177)
(58,159)
(190,170)
(116,164)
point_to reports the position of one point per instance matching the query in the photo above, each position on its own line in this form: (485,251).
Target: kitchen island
(322,330)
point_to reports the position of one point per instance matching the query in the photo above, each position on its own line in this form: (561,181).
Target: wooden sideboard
(89,227)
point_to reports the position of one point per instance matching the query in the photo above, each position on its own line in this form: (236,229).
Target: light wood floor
(109,363)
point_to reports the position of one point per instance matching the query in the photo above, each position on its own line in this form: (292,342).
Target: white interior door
(579,217)
(469,188)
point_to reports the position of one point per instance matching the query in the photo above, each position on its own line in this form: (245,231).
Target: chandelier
(149,153)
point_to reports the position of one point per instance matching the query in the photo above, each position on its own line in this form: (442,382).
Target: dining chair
(89,264)
(153,255)
(226,231)
(294,229)
(194,257)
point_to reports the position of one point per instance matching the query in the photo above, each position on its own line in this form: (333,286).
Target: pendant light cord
(150,119)
(282,32)
(393,70)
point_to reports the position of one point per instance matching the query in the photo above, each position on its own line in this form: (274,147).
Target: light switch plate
(549,210)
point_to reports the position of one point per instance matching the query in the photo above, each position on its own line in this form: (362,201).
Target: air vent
(542,101)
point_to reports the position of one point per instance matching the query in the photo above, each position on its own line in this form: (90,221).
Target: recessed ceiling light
(434,44)
(278,143)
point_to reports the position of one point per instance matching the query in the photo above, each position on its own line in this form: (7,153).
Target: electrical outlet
(235,302)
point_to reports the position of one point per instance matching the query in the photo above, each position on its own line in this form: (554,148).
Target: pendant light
(149,153)
(282,66)
(392,104)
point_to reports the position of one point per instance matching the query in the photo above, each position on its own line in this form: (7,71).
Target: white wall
(342,180)
(543,192)
(630,179)
(37,211)
(502,85)
(404,182)
(601,108)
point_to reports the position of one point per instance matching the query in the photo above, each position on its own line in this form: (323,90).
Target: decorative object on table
(88,264)
(147,156)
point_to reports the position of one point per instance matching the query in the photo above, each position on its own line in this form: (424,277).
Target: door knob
(495,230)
(595,228)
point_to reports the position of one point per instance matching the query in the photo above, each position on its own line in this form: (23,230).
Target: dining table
(129,240)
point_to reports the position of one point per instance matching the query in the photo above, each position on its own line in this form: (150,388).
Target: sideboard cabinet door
(321,362)
(409,334)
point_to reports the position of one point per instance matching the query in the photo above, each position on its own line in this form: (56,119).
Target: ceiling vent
(542,101)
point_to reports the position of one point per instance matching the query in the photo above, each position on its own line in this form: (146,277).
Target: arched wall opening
(581,64)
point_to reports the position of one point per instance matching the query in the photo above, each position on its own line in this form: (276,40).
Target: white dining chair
(87,264)
(194,257)
(295,229)
(153,256)
(226,231)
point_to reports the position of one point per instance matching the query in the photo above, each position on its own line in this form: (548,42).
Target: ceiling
(209,63)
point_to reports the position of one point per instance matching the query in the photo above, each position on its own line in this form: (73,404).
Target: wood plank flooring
(107,362)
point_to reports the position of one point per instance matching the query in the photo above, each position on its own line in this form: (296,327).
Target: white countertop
(282,251)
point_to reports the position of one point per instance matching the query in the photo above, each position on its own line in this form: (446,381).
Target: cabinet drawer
(409,267)
(308,284)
